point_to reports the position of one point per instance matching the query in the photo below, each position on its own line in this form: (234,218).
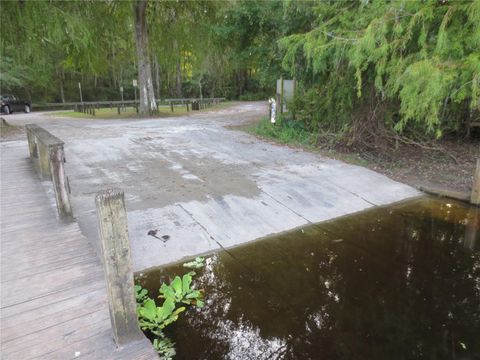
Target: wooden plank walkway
(53,297)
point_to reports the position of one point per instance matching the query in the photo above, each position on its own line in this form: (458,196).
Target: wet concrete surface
(205,185)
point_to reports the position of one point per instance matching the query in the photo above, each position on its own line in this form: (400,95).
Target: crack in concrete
(293,211)
(216,241)
(354,194)
(199,224)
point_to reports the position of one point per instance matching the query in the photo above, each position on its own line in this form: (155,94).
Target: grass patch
(293,133)
(125,113)
(286,132)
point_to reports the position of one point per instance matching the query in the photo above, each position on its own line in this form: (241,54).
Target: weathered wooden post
(171,105)
(32,143)
(60,181)
(475,196)
(112,222)
(188,109)
(118,109)
(281,95)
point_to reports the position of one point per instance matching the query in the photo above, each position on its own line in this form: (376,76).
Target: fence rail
(89,107)
(46,151)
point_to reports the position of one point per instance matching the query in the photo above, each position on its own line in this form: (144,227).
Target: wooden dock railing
(47,153)
(48,156)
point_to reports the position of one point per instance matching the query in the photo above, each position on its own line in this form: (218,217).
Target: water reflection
(392,283)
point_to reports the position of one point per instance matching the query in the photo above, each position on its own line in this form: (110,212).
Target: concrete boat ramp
(204,184)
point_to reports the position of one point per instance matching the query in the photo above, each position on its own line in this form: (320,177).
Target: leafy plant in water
(154,319)
(141,294)
(165,347)
(180,291)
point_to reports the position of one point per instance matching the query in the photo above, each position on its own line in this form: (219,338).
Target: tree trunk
(178,88)
(148,105)
(157,76)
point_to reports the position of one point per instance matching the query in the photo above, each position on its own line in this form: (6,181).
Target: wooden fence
(90,107)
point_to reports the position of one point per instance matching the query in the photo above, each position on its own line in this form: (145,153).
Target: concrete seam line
(293,211)
(200,224)
(351,192)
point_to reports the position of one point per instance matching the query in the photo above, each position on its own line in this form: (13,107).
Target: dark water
(392,283)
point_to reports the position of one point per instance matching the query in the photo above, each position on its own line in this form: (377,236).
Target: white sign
(288,88)
(273,110)
(121,88)
(134,82)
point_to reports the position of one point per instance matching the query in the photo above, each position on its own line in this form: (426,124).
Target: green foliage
(180,291)
(141,294)
(164,347)
(153,319)
(407,66)
(285,131)
(418,59)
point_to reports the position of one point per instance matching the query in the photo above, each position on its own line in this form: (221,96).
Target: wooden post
(186,102)
(294,96)
(43,159)
(475,196)
(281,95)
(60,182)
(112,222)
(171,105)
(118,109)
(32,144)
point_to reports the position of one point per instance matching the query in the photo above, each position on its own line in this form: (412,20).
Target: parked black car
(10,103)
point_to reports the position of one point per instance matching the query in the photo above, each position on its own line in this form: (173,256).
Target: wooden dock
(53,297)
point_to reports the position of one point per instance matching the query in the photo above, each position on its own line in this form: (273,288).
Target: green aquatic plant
(164,347)
(141,294)
(153,319)
(181,291)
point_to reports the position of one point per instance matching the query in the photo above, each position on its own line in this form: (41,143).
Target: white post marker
(273,110)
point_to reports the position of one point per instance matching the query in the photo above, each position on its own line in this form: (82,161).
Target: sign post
(80,89)
(135,84)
